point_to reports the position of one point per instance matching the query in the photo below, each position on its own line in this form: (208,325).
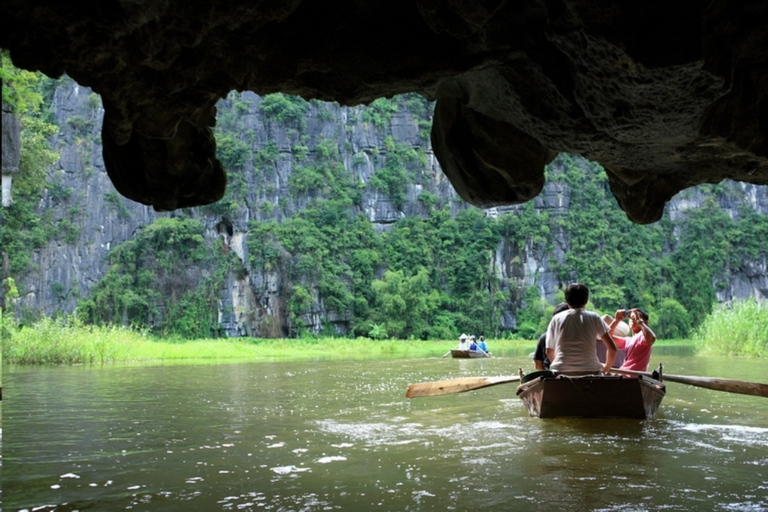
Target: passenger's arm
(610,352)
(650,336)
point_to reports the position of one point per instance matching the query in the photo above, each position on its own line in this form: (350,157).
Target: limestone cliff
(269,149)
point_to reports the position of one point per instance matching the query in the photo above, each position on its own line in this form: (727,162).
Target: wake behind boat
(590,396)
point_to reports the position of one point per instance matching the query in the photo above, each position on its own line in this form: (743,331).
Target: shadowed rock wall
(664,95)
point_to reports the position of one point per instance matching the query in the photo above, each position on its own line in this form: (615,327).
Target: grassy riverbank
(65,342)
(737,329)
(54,342)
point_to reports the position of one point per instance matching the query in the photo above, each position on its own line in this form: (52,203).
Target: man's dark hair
(643,313)
(560,308)
(577,295)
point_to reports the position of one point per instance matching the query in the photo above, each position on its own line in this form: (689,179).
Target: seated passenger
(639,346)
(482,345)
(571,336)
(540,359)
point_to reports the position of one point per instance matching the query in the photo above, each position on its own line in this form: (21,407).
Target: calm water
(340,435)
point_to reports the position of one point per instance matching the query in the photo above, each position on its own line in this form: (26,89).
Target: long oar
(446,354)
(450,386)
(728,385)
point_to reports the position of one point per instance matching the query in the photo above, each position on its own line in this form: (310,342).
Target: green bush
(283,107)
(672,320)
(67,341)
(737,329)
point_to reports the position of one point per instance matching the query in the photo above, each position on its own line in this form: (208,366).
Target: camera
(626,313)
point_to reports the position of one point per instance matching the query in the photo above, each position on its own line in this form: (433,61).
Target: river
(340,435)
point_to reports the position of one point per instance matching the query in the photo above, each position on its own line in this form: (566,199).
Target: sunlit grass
(68,341)
(52,341)
(739,329)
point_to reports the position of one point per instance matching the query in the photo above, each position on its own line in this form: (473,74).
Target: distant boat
(468,354)
(590,396)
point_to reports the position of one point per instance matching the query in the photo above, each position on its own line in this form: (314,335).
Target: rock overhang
(664,95)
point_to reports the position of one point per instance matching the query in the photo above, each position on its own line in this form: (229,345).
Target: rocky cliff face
(82,195)
(82,199)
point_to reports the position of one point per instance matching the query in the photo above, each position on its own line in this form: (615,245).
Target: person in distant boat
(482,345)
(462,342)
(638,347)
(473,343)
(540,359)
(571,336)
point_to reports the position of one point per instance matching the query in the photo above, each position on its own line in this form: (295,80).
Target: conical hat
(622,329)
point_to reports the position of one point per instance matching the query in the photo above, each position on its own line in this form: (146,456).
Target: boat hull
(592,396)
(468,354)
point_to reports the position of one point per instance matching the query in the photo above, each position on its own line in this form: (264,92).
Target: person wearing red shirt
(637,348)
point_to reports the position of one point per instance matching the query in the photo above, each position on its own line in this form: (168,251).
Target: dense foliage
(23,229)
(435,274)
(166,278)
(448,268)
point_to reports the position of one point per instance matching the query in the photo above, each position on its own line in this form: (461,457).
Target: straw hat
(622,329)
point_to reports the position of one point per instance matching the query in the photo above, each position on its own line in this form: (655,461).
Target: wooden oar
(446,354)
(728,385)
(450,386)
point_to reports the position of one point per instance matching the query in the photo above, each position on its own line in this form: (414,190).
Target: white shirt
(572,334)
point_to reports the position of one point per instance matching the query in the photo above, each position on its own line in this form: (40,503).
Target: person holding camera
(638,347)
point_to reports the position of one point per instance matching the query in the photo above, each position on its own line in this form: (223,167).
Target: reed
(738,329)
(68,341)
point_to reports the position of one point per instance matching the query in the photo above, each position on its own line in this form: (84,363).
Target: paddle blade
(727,385)
(451,386)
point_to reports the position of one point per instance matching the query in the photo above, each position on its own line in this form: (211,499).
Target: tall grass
(739,329)
(68,341)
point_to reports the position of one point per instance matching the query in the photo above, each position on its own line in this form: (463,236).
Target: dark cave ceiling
(664,95)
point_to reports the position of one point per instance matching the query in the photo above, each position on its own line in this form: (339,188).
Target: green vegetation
(167,277)
(284,108)
(69,341)
(117,204)
(737,329)
(453,269)
(393,178)
(23,229)
(380,111)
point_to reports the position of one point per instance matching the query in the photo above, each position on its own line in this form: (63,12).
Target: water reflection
(341,436)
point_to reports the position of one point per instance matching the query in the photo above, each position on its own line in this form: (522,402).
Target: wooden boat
(468,354)
(590,396)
